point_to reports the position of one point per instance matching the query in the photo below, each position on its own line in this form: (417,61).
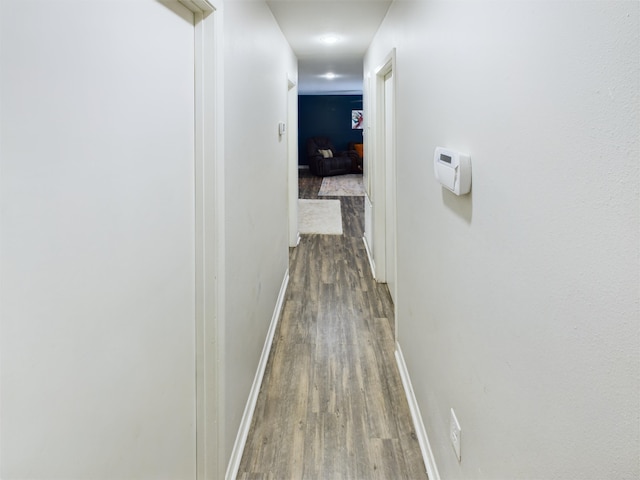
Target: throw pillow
(326,153)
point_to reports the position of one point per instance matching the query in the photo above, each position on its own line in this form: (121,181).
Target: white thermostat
(452,170)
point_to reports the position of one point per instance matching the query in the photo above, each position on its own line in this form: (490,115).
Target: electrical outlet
(454,433)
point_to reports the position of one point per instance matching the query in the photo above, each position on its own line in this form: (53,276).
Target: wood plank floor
(332,404)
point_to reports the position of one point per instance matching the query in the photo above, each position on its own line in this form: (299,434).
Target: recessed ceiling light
(329,76)
(330,39)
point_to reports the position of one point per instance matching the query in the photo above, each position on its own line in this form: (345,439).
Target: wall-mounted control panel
(453,170)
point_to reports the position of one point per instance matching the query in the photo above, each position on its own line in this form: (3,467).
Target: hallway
(332,404)
(147,199)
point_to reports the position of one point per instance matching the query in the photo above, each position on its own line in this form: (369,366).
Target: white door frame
(209,238)
(292,159)
(379,182)
(390,183)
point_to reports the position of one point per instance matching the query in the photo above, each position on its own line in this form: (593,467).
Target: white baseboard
(421,432)
(245,423)
(370,257)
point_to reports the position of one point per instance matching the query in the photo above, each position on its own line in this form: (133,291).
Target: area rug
(319,216)
(342,186)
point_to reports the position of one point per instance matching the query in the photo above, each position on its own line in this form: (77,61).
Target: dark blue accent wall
(327,115)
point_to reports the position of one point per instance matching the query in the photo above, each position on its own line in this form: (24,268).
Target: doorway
(383,172)
(390,183)
(291,132)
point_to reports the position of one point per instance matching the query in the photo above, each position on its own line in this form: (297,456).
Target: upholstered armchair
(324,160)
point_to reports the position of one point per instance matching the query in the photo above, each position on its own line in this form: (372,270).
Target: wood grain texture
(332,404)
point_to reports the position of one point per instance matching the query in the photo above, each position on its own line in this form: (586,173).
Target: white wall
(97,235)
(258,62)
(519,303)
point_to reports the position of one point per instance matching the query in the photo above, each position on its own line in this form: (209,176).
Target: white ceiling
(306,22)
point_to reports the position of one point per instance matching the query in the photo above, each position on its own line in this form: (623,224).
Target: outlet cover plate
(454,434)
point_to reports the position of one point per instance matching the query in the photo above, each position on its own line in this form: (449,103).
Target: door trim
(390,184)
(209,235)
(379,175)
(292,159)
(379,178)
